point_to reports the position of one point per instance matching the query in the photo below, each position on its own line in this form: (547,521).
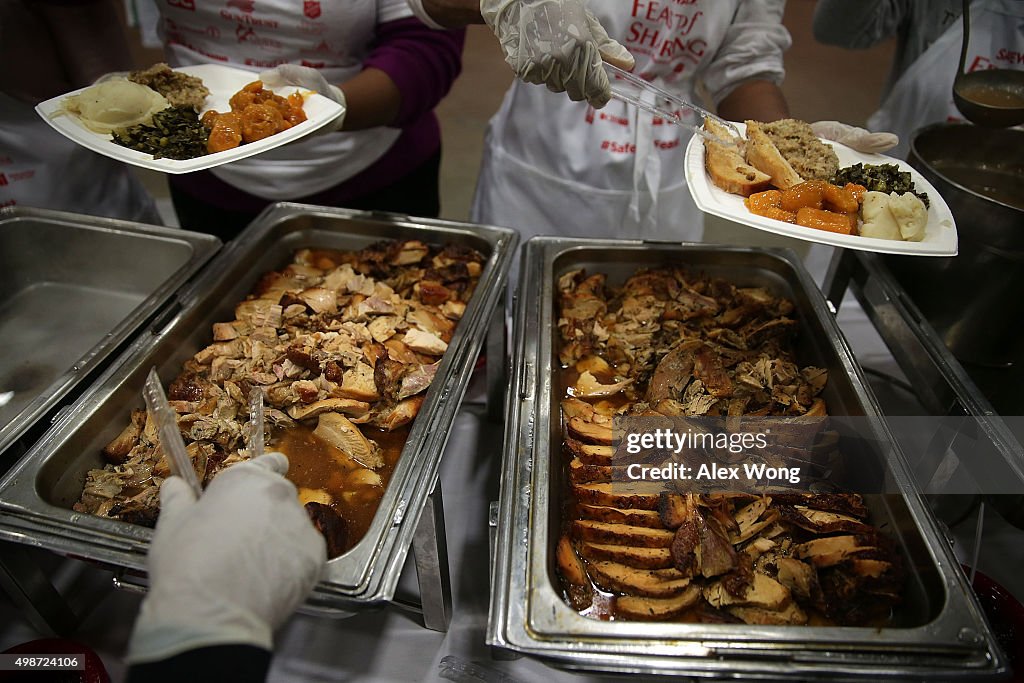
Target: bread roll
(763,155)
(727,168)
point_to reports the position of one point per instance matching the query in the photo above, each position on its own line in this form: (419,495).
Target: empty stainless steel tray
(939,631)
(75,288)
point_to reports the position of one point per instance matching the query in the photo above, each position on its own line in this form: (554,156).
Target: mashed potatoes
(910,214)
(113,104)
(878,220)
(893,216)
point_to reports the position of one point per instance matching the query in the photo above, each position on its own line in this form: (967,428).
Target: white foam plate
(940,238)
(223,82)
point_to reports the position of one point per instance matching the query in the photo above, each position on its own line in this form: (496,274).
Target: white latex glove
(854,137)
(558,43)
(229,567)
(113,75)
(310,79)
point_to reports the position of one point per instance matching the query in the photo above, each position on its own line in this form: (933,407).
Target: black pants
(416,194)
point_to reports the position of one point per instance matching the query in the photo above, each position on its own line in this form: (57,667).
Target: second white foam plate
(223,82)
(940,237)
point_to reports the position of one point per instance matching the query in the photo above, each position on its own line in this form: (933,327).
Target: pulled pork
(336,340)
(670,344)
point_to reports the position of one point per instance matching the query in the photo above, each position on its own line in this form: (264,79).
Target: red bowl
(94,671)
(1006,615)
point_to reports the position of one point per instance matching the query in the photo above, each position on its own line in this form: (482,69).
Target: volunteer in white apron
(553,166)
(48,47)
(43,169)
(391,69)
(263,35)
(930,33)
(923,93)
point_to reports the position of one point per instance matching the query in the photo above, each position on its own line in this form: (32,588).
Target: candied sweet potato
(226,132)
(840,199)
(261,121)
(808,194)
(763,200)
(767,204)
(778,214)
(857,190)
(817,194)
(819,219)
(257,113)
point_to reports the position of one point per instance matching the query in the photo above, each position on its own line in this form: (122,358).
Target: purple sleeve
(423,63)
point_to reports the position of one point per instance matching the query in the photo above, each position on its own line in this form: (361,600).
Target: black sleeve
(219,663)
(858,25)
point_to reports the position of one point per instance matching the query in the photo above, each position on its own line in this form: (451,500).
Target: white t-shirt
(334,37)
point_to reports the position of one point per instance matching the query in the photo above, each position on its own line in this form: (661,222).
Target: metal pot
(973,300)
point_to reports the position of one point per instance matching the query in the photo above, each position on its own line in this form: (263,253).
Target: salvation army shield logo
(311,8)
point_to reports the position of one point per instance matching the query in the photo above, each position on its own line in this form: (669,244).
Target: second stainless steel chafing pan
(75,289)
(37,495)
(939,631)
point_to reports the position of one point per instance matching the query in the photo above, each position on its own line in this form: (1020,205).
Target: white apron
(333,37)
(556,167)
(40,167)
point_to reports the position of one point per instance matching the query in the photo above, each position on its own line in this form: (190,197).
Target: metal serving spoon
(989,97)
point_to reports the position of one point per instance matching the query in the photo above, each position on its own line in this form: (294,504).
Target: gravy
(315,464)
(1003,185)
(990,96)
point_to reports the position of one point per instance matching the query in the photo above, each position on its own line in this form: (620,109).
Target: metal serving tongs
(171,442)
(254,431)
(619,93)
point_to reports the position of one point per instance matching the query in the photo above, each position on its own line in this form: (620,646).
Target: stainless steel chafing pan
(76,288)
(36,496)
(939,631)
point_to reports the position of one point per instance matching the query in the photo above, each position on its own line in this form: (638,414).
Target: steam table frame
(51,613)
(942,385)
